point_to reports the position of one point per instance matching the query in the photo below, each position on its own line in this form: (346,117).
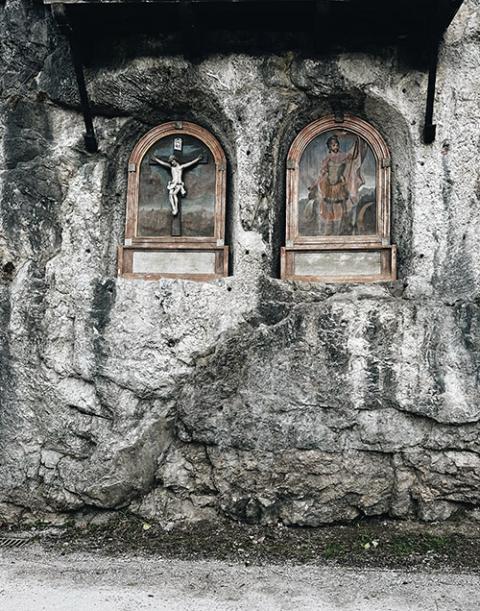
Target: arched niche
(175,222)
(338,204)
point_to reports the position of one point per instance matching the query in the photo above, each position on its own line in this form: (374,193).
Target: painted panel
(338,263)
(193,188)
(337,186)
(173,262)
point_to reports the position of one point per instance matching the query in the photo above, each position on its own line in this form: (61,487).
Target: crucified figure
(176,184)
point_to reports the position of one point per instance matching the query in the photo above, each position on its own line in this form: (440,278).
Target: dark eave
(314,27)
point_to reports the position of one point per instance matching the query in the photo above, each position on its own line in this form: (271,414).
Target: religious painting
(175,225)
(177,189)
(337,176)
(338,204)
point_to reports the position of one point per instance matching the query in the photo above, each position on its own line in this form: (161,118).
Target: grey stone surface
(36,581)
(247,397)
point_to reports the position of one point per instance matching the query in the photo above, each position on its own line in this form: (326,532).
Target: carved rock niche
(175,226)
(338,204)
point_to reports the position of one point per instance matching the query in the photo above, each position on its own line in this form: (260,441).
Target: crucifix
(176,187)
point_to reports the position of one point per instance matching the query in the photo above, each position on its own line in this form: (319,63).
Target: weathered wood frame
(125,261)
(379,241)
(134,242)
(388,263)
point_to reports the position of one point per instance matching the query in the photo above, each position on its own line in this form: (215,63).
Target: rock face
(249,397)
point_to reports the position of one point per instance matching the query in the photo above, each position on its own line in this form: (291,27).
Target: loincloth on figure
(171,186)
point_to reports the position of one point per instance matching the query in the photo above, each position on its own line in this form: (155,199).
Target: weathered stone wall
(249,397)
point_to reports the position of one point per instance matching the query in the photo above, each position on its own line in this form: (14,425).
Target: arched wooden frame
(188,245)
(377,242)
(175,128)
(381,153)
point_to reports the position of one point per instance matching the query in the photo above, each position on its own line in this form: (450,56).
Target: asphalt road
(33,580)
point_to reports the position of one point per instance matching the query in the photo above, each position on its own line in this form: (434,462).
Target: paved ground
(33,580)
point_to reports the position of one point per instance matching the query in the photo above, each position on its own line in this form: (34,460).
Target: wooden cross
(176,220)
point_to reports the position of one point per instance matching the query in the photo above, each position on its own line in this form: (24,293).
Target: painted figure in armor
(338,185)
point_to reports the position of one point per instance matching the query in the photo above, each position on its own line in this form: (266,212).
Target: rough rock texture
(249,397)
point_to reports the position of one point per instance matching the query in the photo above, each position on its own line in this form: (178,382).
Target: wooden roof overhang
(315,26)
